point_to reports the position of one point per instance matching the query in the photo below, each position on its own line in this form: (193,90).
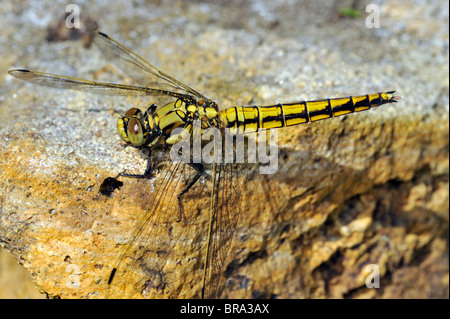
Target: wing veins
(65,82)
(137,67)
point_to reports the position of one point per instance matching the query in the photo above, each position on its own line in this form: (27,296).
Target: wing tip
(111,276)
(17,71)
(101,33)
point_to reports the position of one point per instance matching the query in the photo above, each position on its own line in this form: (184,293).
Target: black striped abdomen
(247,119)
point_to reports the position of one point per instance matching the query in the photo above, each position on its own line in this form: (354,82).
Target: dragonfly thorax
(138,128)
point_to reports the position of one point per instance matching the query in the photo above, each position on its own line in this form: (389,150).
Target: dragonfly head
(138,128)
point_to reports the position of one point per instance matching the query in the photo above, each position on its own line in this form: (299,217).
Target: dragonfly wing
(65,82)
(139,271)
(229,184)
(136,67)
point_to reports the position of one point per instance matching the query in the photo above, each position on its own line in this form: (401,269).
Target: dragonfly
(187,116)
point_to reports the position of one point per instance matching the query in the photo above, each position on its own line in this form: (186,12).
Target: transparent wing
(65,82)
(140,270)
(229,185)
(140,70)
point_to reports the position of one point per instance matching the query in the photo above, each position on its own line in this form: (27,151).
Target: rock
(355,196)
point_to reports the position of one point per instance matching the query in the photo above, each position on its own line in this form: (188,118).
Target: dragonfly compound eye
(134,112)
(134,132)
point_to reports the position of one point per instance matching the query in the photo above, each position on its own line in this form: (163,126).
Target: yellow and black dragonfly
(186,118)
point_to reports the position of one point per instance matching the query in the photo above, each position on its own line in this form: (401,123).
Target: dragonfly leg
(200,170)
(110,184)
(147,172)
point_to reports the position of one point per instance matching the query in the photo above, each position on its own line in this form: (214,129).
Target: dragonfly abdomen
(247,119)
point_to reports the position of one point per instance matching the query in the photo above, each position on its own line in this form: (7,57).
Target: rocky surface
(366,189)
